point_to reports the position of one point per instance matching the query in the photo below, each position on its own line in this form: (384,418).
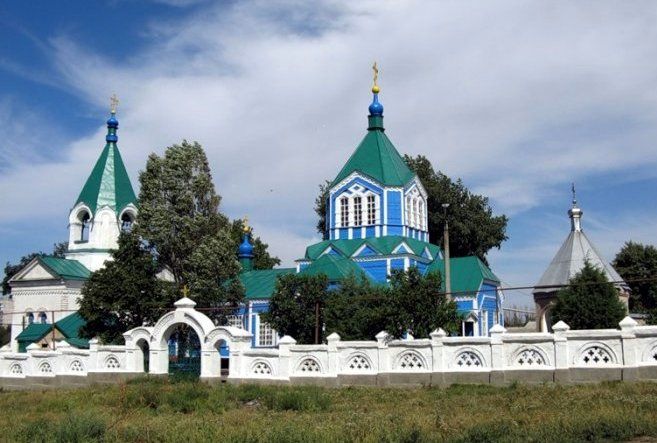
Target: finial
(375,87)
(114,102)
(185,291)
(572,188)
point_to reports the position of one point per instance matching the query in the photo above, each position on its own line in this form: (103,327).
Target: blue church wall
(357,233)
(343,233)
(488,306)
(397,263)
(367,251)
(376,269)
(370,231)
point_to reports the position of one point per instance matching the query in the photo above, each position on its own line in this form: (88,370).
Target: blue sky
(517,99)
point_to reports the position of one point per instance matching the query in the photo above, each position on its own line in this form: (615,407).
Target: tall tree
(262,259)
(292,307)
(179,219)
(589,301)
(417,305)
(124,294)
(357,310)
(637,264)
(473,229)
(58,250)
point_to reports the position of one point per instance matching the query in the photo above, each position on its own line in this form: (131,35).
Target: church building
(45,292)
(377,221)
(569,260)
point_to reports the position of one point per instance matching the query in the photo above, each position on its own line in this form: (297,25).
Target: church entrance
(184,352)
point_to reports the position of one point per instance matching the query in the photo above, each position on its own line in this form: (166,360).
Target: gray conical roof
(571,257)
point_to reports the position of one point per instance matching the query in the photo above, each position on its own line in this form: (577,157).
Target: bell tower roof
(376,156)
(109,183)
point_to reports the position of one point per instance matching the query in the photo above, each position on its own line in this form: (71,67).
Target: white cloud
(516,98)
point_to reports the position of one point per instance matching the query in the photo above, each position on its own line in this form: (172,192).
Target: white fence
(629,353)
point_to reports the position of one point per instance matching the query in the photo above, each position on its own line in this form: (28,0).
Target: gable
(402,249)
(34,271)
(365,251)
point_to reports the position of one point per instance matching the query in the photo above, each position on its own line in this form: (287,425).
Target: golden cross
(376,73)
(114,102)
(246,224)
(185,291)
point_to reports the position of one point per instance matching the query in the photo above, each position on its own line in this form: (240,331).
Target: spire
(575,213)
(375,119)
(109,183)
(245,251)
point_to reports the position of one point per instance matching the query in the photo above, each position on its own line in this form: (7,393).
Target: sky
(517,98)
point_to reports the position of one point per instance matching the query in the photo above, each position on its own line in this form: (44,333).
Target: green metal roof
(377,158)
(33,332)
(334,267)
(384,245)
(108,184)
(467,273)
(260,284)
(66,269)
(70,325)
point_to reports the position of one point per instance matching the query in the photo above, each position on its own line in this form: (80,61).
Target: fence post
(561,357)
(438,360)
(333,355)
(285,356)
(630,370)
(497,357)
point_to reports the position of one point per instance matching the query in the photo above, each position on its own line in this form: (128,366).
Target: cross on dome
(114,103)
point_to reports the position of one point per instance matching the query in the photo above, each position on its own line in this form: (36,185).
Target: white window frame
(358,210)
(265,333)
(236,321)
(344,211)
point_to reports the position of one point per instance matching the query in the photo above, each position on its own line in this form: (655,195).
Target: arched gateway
(211,337)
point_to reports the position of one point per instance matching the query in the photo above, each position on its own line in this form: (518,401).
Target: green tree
(179,219)
(473,229)
(262,259)
(357,310)
(589,301)
(58,250)
(637,264)
(292,307)
(124,294)
(416,304)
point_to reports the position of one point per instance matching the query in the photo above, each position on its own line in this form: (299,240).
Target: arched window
(126,222)
(43,318)
(371,209)
(84,229)
(408,210)
(421,211)
(358,211)
(30,318)
(344,212)
(415,214)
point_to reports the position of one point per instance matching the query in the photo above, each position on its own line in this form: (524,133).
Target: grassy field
(154,411)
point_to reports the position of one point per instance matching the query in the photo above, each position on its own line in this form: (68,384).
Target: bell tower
(106,205)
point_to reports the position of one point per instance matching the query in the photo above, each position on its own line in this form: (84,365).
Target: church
(376,217)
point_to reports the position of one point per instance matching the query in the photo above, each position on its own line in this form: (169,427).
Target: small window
(421,211)
(344,212)
(84,228)
(371,209)
(30,318)
(408,211)
(358,211)
(126,222)
(236,321)
(265,334)
(415,214)
(43,318)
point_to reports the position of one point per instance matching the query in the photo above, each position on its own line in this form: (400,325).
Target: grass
(152,410)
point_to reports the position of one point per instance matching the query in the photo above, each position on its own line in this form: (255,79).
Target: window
(43,318)
(484,323)
(415,213)
(408,211)
(358,211)
(236,321)
(371,209)
(421,210)
(84,229)
(265,334)
(344,212)
(30,318)
(126,222)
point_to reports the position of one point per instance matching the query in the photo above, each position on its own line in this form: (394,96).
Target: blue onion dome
(112,122)
(246,248)
(376,108)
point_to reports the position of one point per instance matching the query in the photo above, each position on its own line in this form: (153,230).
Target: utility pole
(317,322)
(448,274)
